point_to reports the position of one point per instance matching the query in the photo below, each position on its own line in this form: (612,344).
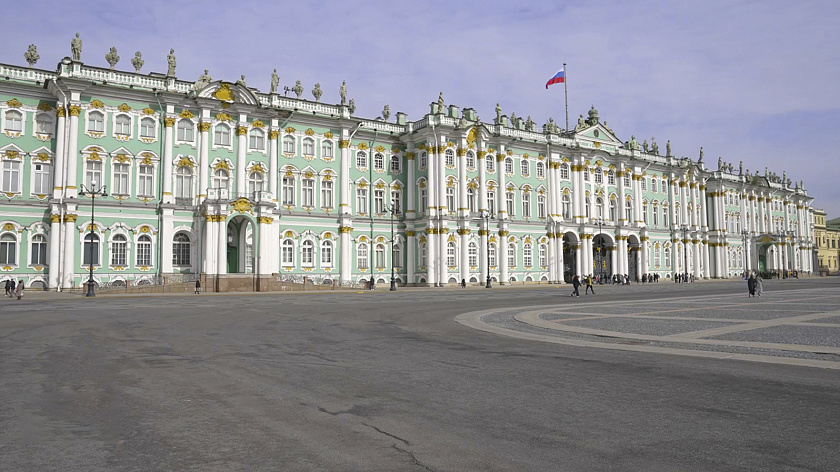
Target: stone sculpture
(76,47)
(137,61)
(170,60)
(112,57)
(31,55)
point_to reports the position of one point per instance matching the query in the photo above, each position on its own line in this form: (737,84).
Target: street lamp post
(746,267)
(486,215)
(685,252)
(93,193)
(601,251)
(393,279)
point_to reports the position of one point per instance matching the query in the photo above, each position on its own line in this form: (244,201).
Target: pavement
(389,381)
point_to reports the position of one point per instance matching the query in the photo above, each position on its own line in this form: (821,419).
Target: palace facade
(219,179)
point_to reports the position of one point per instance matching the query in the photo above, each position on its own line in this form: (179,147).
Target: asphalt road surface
(349,381)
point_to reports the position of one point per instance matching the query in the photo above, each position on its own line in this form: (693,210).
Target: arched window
(326,254)
(221,179)
(380,256)
(221,135)
(612,210)
(644,213)
(147,128)
(472,254)
(449,156)
(524,168)
(588,209)
(423,160)
(599,207)
(509,166)
(96,122)
(144,251)
(361,160)
(653,184)
(627,178)
(397,262)
(543,258)
(540,170)
(8,249)
(256,140)
(378,161)
(288,144)
(326,150)
(470,160)
(255,182)
(586,174)
(611,177)
(38,255)
(181,246)
(567,207)
(491,254)
(362,256)
(450,255)
(628,211)
(599,175)
(44,124)
(667,257)
(471,199)
(287,253)
(184,182)
(564,171)
(527,255)
(90,250)
(643,184)
(119,251)
(489,163)
(395,164)
(422,255)
(307,254)
(308,147)
(665,218)
(511,255)
(122,125)
(186,131)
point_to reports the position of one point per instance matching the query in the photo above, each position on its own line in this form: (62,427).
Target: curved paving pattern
(797,327)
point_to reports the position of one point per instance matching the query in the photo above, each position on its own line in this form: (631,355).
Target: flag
(558,78)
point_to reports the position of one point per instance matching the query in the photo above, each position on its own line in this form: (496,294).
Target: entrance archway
(570,245)
(633,252)
(240,245)
(601,256)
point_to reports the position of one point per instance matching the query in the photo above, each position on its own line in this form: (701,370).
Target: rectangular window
(147,128)
(39,250)
(450,199)
(41,181)
(379,201)
(288,197)
(526,205)
(509,199)
(186,131)
(396,202)
(326,194)
(145,182)
(361,200)
(144,253)
(118,253)
(540,206)
(491,202)
(11,176)
(307,192)
(93,173)
(120,184)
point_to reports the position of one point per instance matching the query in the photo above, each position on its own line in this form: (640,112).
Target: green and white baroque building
(216,178)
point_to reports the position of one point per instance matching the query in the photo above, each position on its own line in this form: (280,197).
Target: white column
(211,236)
(204,159)
(558,266)
(344,185)
(267,241)
(168,122)
(55,250)
(345,251)
(273,169)
(695,258)
(501,201)
(622,221)
(704,210)
(463,206)
(692,188)
(485,269)
(643,254)
(637,199)
(465,264)
(410,192)
(60,160)
(552,257)
(706,269)
(431,252)
(411,251)
(578,257)
(241,163)
(71,239)
(71,190)
(501,255)
(221,247)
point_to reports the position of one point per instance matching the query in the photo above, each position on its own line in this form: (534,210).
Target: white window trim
(231,134)
(195,132)
(90,132)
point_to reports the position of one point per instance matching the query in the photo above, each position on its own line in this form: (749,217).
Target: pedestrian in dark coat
(751,285)
(10,286)
(197,285)
(576,286)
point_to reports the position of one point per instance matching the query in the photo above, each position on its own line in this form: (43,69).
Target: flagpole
(566,89)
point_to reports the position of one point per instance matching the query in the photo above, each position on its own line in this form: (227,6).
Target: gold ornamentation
(328,135)
(221,116)
(379,148)
(204,126)
(241,205)
(60,112)
(75,110)
(9,227)
(258,124)
(273,134)
(472,135)
(70,218)
(55,218)
(344,144)
(224,92)
(185,162)
(266,220)
(309,132)
(345,229)
(10,154)
(410,233)
(124,108)
(121,158)
(363,146)
(96,103)
(221,165)
(290,130)
(186,114)
(463,231)
(504,233)
(500,157)
(409,156)
(241,130)
(169,121)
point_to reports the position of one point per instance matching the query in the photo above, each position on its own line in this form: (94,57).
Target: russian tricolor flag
(558,78)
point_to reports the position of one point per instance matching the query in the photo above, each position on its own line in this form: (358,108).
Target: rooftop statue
(668,149)
(608,128)
(513,119)
(342,92)
(580,124)
(352,106)
(386,113)
(112,57)
(634,145)
(720,160)
(137,61)
(645,146)
(654,146)
(316,92)
(241,81)
(740,167)
(76,47)
(298,89)
(275,80)
(498,114)
(440,103)
(203,81)
(31,55)
(529,124)
(170,59)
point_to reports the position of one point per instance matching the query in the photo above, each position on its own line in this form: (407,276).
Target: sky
(751,81)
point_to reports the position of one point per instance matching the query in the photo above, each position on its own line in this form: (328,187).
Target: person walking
(751,285)
(759,285)
(197,286)
(589,285)
(19,290)
(10,286)
(575,286)
(463,283)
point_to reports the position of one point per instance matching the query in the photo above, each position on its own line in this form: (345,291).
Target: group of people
(650,278)
(12,290)
(576,283)
(755,285)
(683,278)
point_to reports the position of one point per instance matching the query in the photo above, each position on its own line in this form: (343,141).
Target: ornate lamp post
(486,215)
(685,252)
(93,193)
(393,280)
(746,267)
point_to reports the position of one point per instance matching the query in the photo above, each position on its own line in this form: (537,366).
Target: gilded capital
(204,126)
(481,154)
(345,229)
(461,152)
(70,218)
(504,233)
(463,231)
(61,112)
(266,220)
(75,110)
(241,130)
(500,157)
(409,156)
(273,134)
(55,218)
(344,143)
(410,234)
(169,121)
(483,232)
